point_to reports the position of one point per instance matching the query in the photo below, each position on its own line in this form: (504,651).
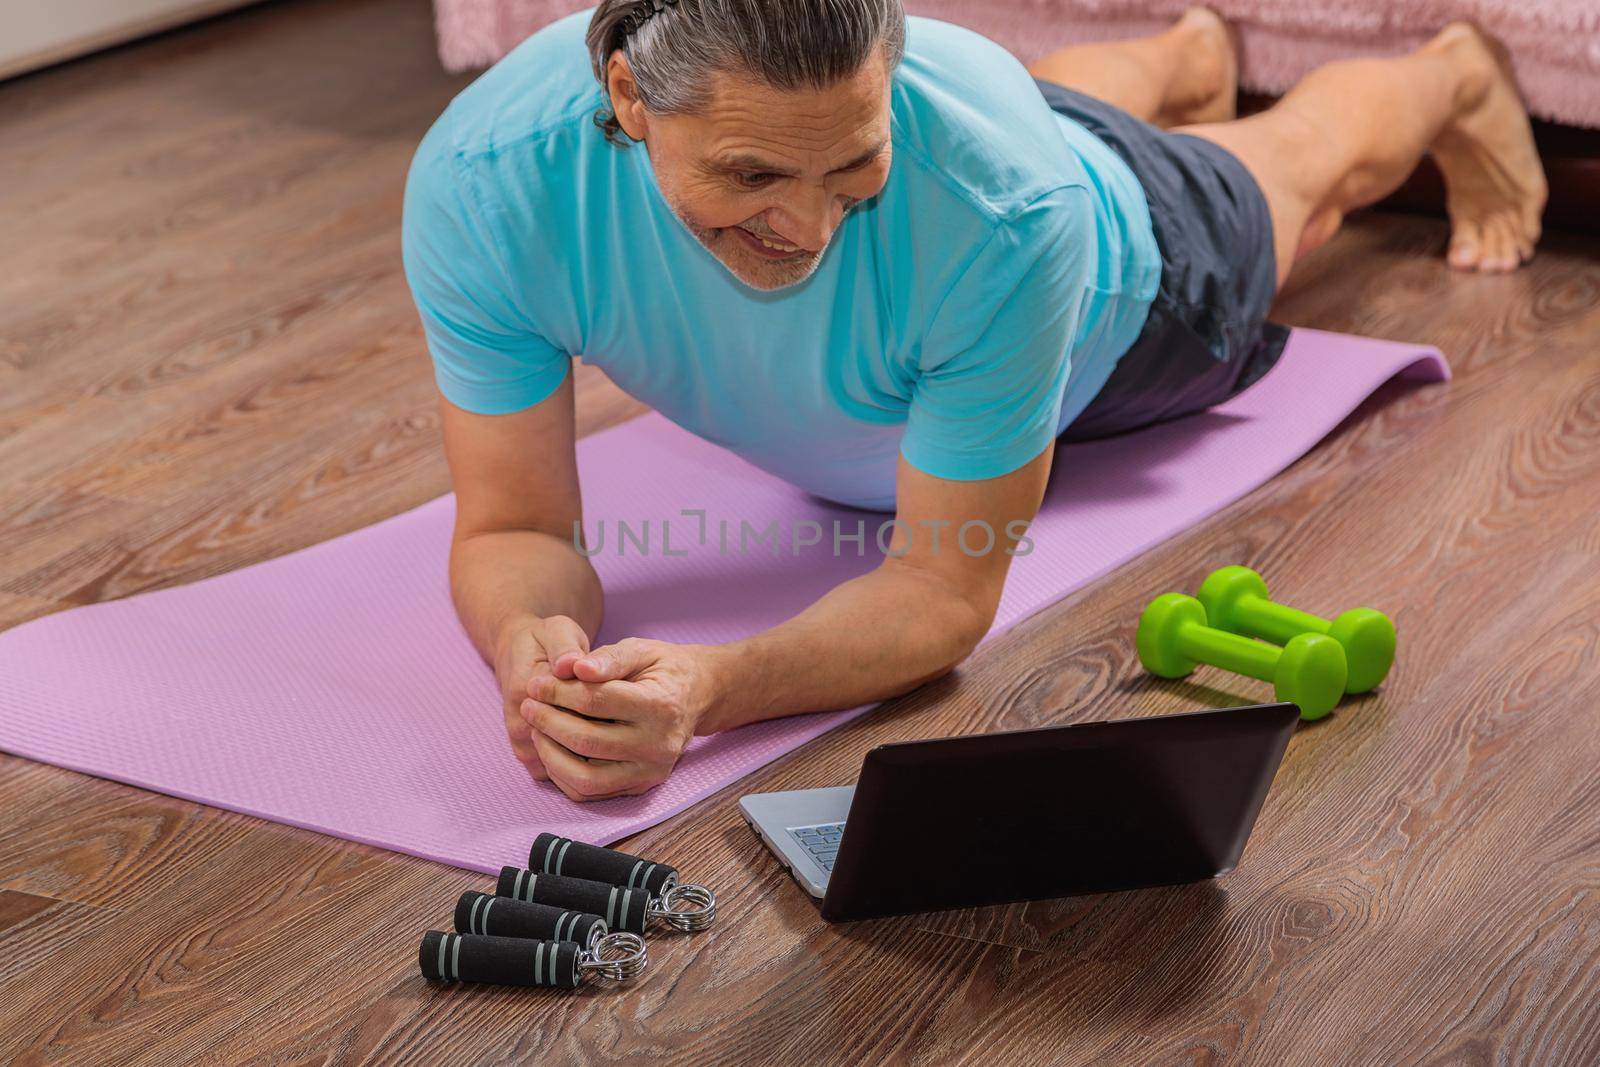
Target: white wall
(34,33)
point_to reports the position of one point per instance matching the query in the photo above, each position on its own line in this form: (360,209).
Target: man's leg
(1186,75)
(1351,132)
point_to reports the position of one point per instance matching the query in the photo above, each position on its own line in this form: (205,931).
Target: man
(876,257)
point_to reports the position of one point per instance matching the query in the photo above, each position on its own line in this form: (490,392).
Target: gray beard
(781,277)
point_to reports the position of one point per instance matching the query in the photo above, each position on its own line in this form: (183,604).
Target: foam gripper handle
(479,913)
(551,854)
(499,960)
(621,908)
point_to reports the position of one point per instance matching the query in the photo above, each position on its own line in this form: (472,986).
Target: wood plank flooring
(208,358)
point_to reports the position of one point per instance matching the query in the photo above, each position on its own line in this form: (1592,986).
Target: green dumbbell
(1174,637)
(1236,600)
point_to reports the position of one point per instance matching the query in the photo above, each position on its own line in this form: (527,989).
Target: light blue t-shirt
(963,316)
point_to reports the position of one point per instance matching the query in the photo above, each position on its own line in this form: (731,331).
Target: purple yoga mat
(334,689)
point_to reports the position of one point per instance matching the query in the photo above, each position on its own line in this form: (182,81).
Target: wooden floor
(208,358)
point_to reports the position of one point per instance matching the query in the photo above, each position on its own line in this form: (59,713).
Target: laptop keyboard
(821,843)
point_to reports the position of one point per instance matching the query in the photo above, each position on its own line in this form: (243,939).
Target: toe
(1532,228)
(1465,245)
(1496,256)
(1524,247)
(1510,256)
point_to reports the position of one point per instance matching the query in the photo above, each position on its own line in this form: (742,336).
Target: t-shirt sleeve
(996,357)
(487,358)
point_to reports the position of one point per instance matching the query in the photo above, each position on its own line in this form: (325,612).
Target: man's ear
(625,102)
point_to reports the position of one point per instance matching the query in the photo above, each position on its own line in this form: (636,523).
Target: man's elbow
(963,625)
(955,614)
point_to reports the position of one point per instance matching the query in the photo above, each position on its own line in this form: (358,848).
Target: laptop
(1092,807)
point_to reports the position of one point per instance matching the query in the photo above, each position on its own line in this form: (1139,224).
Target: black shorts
(1207,337)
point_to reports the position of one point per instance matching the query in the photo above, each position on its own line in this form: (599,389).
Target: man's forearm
(500,577)
(869,639)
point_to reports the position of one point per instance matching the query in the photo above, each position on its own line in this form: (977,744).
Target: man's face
(763,177)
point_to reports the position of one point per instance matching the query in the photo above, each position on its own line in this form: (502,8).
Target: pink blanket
(1555,44)
(334,689)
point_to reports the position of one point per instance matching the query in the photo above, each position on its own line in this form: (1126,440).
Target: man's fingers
(608,663)
(532,763)
(564,643)
(582,779)
(583,737)
(520,733)
(561,665)
(527,753)
(611,701)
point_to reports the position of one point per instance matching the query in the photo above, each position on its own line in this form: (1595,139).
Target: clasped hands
(605,722)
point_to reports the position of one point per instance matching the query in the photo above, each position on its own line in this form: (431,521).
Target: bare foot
(1207,88)
(1495,185)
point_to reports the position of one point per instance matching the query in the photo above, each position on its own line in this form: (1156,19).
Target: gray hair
(674,46)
